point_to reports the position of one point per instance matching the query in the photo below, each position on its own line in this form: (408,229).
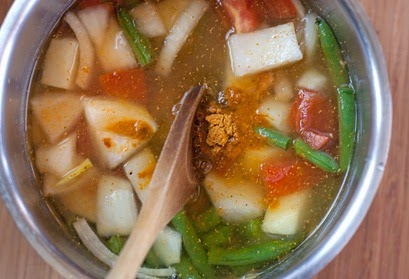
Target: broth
(252,192)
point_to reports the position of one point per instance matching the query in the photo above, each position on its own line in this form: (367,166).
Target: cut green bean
(274,137)
(220,236)
(346,118)
(115,243)
(346,94)
(152,260)
(186,270)
(140,45)
(251,254)
(207,220)
(252,229)
(192,244)
(319,158)
(332,53)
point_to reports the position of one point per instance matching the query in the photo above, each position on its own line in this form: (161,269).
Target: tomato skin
(288,177)
(314,118)
(129,84)
(272,173)
(280,9)
(242,14)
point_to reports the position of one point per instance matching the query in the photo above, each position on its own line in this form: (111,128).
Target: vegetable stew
(272,138)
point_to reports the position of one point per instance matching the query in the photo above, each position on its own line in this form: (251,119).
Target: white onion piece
(53,185)
(139,171)
(95,19)
(148,20)
(58,159)
(168,246)
(179,33)
(312,80)
(310,35)
(74,173)
(93,243)
(115,53)
(87,53)
(99,250)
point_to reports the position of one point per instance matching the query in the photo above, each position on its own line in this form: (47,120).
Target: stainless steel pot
(22,36)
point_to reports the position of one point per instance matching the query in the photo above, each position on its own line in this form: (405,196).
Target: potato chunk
(117,128)
(57,113)
(287,217)
(115,53)
(236,201)
(276,113)
(116,206)
(61,63)
(263,50)
(58,159)
(139,171)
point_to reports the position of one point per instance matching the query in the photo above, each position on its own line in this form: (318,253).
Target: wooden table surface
(380,247)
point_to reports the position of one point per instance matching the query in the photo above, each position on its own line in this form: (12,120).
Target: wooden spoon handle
(172,184)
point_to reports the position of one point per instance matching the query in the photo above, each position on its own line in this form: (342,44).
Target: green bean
(219,236)
(332,53)
(115,243)
(274,137)
(152,259)
(193,244)
(140,45)
(186,270)
(346,118)
(250,254)
(207,220)
(319,158)
(346,94)
(252,229)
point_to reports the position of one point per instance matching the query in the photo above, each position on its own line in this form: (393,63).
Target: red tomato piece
(280,9)
(314,118)
(242,14)
(129,84)
(287,178)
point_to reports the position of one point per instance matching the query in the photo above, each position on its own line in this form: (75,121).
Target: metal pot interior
(22,37)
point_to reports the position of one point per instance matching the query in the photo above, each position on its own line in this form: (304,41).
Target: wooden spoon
(172,184)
